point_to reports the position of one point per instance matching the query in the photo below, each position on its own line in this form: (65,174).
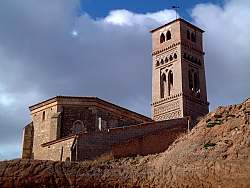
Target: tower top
(177,20)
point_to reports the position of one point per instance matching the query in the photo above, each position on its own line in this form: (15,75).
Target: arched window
(170,57)
(190,80)
(168,35)
(78,127)
(170,82)
(175,55)
(196,82)
(166,59)
(162,62)
(188,34)
(163,85)
(193,37)
(192,59)
(43,117)
(162,38)
(157,63)
(199,62)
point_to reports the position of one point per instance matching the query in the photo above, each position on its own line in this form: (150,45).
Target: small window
(162,62)
(170,82)
(193,37)
(188,34)
(163,85)
(199,62)
(162,38)
(43,118)
(192,59)
(166,59)
(175,55)
(196,82)
(171,58)
(185,56)
(190,80)
(157,63)
(168,35)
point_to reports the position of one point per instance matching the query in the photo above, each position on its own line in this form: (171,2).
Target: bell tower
(178,72)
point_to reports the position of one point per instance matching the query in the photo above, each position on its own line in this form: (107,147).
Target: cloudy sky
(102,48)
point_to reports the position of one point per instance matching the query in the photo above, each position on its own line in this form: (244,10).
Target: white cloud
(127,18)
(227,40)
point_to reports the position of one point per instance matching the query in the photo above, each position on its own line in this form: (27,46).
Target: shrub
(209,144)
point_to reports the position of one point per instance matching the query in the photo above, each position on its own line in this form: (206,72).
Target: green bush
(212,124)
(209,144)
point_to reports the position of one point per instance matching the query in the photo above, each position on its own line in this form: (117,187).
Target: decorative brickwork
(182,56)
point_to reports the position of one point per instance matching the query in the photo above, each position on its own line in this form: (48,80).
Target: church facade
(79,128)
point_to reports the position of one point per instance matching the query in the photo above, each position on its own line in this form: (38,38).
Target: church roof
(179,19)
(87,99)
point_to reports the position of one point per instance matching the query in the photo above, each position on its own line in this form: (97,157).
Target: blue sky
(101,8)
(46,50)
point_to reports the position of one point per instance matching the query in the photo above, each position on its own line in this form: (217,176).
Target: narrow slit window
(169,35)
(43,116)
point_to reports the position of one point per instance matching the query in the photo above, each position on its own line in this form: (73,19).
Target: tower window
(188,34)
(162,38)
(78,127)
(170,82)
(190,80)
(175,55)
(170,57)
(168,35)
(157,63)
(193,37)
(162,62)
(196,82)
(43,117)
(166,59)
(163,85)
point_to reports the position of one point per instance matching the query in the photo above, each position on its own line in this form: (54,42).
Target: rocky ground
(214,154)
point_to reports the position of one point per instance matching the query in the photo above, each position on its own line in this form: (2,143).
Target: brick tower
(178,72)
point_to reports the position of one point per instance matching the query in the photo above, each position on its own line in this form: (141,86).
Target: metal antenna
(176,8)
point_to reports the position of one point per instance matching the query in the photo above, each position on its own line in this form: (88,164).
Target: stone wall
(60,150)
(27,143)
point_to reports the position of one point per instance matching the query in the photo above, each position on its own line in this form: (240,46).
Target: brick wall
(92,145)
(155,142)
(89,116)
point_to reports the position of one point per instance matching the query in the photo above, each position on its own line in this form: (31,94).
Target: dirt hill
(214,154)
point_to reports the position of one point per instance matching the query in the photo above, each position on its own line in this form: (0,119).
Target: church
(79,128)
